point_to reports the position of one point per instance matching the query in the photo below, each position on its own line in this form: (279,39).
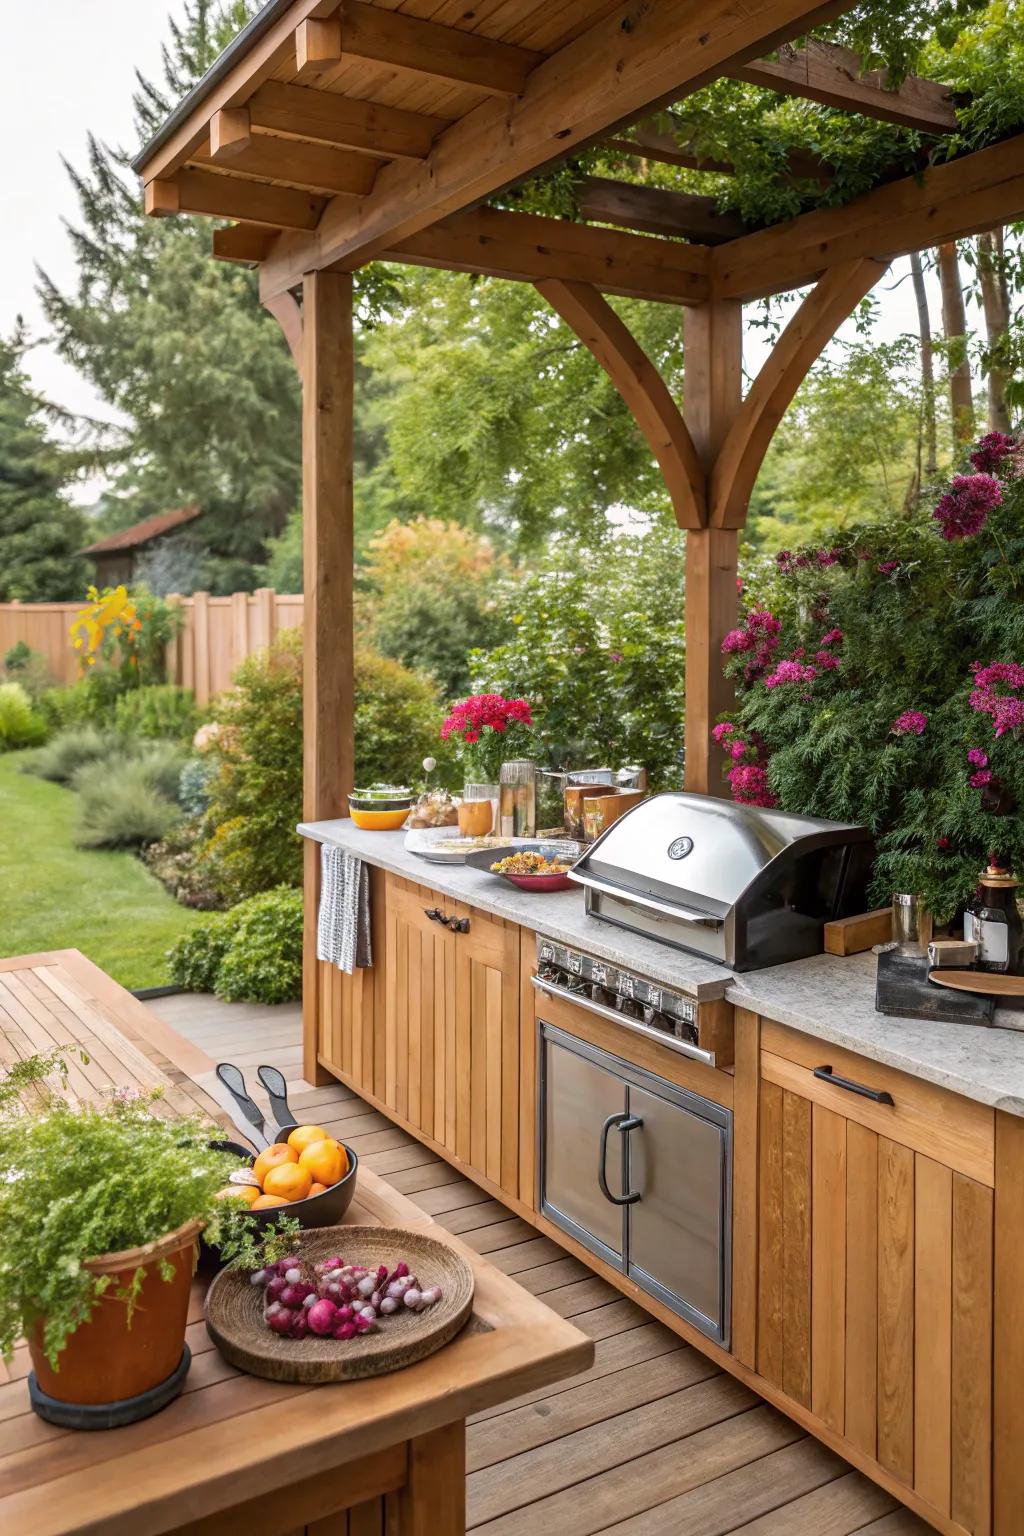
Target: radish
(388,1305)
(311,1300)
(281,1320)
(284,1265)
(259,1277)
(276,1288)
(293,1275)
(412,1298)
(365,1324)
(345,1331)
(346,1314)
(299,1326)
(295,1293)
(432,1294)
(322,1317)
(400,1270)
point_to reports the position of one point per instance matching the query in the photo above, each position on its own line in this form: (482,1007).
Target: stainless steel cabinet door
(579,1096)
(678,1163)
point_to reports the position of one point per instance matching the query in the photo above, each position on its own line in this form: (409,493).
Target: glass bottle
(517,807)
(993,922)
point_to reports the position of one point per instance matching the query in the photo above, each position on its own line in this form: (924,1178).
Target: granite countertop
(830,998)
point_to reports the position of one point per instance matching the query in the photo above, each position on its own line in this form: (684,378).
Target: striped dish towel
(343,921)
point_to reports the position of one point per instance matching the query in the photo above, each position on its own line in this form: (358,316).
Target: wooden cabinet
(875,1266)
(350,1011)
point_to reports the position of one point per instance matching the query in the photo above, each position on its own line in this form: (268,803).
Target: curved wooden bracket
(287,312)
(830,302)
(640,384)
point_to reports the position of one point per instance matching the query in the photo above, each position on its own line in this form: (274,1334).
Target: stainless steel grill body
(739,885)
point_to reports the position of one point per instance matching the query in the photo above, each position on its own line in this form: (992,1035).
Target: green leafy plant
(122,807)
(253,953)
(155,764)
(20,726)
(80,1181)
(243,1243)
(29,668)
(68,751)
(90,701)
(880,681)
(157,711)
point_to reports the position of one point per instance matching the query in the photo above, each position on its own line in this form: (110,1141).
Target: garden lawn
(56,896)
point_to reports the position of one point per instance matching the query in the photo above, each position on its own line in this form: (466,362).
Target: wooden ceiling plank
(626,64)
(949,201)
(657,210)
(322,117)
(229,197)
(446,53)
(230,133)
(831,75)
(246,244)
(526,247)
(320,167)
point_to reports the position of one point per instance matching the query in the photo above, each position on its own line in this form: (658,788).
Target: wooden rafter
(322,117)
(739,459)
(320,167)
(361,31)
(949,201)
(657,210)
(641,386)
(625,64)
(826,73)
(229,197)
(649,142)
(247,244)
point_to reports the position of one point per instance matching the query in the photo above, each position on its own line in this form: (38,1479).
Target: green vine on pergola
(976,50)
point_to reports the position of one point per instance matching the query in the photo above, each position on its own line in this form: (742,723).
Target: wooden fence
(218,633)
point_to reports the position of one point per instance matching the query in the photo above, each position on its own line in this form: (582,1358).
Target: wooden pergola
(335,134)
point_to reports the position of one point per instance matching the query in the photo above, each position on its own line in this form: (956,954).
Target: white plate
(423,842)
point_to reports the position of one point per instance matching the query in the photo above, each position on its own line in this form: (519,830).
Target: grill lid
(700,855)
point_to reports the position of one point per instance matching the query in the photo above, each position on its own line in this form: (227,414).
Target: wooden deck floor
(653,1440)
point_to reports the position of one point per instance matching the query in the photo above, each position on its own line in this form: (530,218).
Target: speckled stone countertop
(832,999)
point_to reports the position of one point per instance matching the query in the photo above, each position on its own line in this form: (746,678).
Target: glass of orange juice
(475,817)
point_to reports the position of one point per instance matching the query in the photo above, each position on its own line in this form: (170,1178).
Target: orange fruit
(317,1189)
(304,1135)
(326,1161)
(265,1202)
(288,1180)
(273,1157)
(247,1192)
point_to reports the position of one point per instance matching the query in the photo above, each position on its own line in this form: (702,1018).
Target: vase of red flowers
(484,730)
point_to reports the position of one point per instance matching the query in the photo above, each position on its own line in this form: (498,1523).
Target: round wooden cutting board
(985,983)
(234,1311)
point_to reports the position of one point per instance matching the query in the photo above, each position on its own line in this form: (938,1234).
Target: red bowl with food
(528,865)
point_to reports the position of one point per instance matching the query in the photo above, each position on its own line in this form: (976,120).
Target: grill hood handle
(668,908)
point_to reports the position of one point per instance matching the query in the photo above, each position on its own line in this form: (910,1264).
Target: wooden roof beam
(658,211)
(949,201)
(360,31)
(831,75)
(624,65)
(322,117)
(649,142)
(320,167)
(246,244)
(229,197)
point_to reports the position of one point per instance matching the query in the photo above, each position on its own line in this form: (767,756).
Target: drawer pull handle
(877,1095)
(625,1124)
(458,924)
(434,913)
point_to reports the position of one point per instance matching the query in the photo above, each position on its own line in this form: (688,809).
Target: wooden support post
(328,746)
(712,392)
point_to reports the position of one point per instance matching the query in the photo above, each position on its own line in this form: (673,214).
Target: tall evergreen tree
(40,532)
(178,344)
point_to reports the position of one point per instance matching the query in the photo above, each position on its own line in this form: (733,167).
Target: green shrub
(251,954)
(397,720)
(123,811)
(155,765)
(195,959)
(195,783)
(20,726)
(157,712)
(29,668)
(68,751)
(91,701)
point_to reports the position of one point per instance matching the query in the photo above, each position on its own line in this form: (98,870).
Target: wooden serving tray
(985,983)
(234,1311)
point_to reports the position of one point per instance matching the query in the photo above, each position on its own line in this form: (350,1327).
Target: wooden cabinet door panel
(875,1273)
(351,1007)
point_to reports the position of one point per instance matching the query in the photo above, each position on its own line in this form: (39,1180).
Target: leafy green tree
(40,532)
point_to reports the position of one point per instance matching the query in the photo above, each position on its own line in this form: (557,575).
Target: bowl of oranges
(310,1176)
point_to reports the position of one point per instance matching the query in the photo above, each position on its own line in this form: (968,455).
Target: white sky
(84,82)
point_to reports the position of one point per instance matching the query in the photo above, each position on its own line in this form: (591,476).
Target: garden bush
(71,749)
(127,813)
(882,681)
(195,784)
(156,765)
(397,719)
(251,954)
(90,701)
(20,725)
(29,668)
(157,712)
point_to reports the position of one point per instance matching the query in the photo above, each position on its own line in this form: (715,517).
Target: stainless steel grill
(742,886)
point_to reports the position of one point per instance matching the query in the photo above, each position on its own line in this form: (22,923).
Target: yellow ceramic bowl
(379,821)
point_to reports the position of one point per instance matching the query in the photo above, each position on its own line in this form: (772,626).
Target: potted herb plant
(100,1207)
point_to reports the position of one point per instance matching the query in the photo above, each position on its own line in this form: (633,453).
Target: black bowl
(324,1210)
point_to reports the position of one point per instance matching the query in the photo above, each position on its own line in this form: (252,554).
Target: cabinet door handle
(433,913)
(877,1095)
(625,1124)
(458,924)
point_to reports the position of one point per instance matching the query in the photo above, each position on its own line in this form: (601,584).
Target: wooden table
(235,1453)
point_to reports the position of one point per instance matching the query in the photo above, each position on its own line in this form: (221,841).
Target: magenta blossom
(834,637)
(910,723)
(888,566)
(981,778)
(977,758)
(749,784)
(828,661)
(1007,711)
(720,732)
(993,448)
(790,672)
(964,509)
(737,749)
(737,640)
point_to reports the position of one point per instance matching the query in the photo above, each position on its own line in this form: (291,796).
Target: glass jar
(517,803)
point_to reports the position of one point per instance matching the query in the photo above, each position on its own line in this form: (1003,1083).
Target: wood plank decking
(653,1440)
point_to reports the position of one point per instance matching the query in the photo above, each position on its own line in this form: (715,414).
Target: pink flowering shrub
(880,679)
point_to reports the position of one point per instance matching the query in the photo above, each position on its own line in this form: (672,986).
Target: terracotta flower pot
(108,1360)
